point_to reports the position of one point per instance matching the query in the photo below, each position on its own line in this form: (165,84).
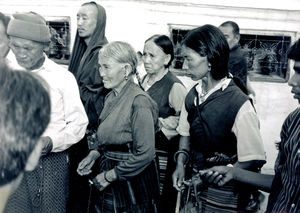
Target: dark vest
(160,91)
(211,122)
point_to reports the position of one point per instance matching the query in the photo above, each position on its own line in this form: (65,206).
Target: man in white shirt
(46,188)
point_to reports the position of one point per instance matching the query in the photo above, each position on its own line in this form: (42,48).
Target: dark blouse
(129,117)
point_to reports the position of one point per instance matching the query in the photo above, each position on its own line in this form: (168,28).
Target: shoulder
(293,118)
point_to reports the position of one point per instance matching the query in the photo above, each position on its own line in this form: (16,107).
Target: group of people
(90,139)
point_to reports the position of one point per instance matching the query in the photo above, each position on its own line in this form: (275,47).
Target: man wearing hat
(46,188)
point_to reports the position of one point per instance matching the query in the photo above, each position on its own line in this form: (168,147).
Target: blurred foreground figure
(24,115)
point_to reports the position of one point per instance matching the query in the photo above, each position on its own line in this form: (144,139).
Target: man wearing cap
(46,188)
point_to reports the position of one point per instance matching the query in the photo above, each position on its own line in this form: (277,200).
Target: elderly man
(284,186)
(24,115)
(237,63)
(46,188)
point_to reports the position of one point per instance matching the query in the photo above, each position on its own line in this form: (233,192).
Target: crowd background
(273,100)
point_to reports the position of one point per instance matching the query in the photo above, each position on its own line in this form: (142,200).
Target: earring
(126,77)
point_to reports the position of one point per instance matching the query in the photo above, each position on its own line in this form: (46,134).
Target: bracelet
(185,152)
(105,178)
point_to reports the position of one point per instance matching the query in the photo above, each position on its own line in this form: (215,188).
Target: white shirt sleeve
(249,140)
(183,125)
(75,118)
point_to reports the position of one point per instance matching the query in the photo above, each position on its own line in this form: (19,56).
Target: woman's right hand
(84,167)
(178,177)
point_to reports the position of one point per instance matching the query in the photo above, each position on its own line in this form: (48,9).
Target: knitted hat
(294,51)
(30,25)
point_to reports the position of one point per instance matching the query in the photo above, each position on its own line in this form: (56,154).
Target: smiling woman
(127,177)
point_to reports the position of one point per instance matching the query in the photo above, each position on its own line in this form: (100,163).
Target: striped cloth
(285,191)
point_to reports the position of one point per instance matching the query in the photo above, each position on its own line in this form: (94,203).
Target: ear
(128,69)
(167,59)
(34,157)
(237,38)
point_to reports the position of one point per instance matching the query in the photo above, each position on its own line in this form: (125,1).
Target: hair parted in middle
(209,41)
(121,52)
(166,45)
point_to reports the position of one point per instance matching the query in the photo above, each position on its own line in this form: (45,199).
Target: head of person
(24,115)
(205,52)
(29,37)
(117,63)
(158,53)
(88,16)
(231,32)
(4,47)
(294,54)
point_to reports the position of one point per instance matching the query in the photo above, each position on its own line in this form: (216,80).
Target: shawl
(84,66)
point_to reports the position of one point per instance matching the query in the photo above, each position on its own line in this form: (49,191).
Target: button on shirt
(245,127)
(68,120)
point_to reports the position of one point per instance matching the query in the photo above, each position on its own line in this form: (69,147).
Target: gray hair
(120,51)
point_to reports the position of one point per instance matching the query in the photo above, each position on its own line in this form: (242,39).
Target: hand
(170,122)
(47,145)
(104,179)
(84,167)
(219,175)
(178,177)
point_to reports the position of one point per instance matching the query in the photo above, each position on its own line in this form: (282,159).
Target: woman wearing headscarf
(90,37)
(127,178)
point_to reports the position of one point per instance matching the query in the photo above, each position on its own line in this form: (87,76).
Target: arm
(142,124)
(75,118)
(220,175)
(176,99)
(250,147)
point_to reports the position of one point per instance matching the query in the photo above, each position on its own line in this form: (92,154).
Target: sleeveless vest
(160,91)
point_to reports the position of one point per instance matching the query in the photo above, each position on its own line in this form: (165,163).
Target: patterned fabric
(285,193)
(43,190)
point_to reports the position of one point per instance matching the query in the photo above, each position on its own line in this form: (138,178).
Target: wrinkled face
(294,81)
(196,65)
(154,58)
(28,53)
(232,39)
(4,43)
(87,20)
(112,72)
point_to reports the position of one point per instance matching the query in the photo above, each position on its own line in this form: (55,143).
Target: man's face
(87,20)
(4,43)
(294,81)
(28,53)
(232,39)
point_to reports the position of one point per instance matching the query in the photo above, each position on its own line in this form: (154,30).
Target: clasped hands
(218,175)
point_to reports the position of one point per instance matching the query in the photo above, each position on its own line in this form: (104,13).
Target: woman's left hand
(104,179)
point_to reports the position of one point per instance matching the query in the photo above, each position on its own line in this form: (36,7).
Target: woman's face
(154,58)
(196,65)
(112,73)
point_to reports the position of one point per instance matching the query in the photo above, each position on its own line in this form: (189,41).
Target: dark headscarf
(81,51)
(84,66)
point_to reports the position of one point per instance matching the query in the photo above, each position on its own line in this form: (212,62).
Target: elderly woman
(127,178)
(218,123)
(169,93)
